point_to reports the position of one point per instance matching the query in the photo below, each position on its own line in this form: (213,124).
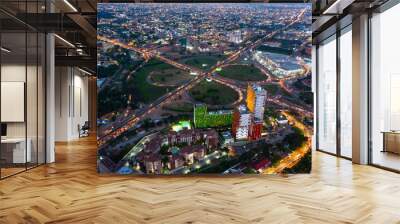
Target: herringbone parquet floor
(70,191)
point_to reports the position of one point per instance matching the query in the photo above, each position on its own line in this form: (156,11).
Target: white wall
(33,126)
(12,73)
(71,102)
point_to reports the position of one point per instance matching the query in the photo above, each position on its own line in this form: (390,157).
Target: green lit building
(205,119)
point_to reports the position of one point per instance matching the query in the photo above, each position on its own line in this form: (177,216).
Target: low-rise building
(226,138)
(192,152)
(210,137)
(175,161)
(153,164)
(188,154)
(282,120)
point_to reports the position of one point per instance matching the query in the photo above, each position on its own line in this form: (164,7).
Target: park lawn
(242,73)
(213,93)
(199,60)
(169,77)
(145,91)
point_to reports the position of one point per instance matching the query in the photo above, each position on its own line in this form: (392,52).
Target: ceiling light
(337,7)
(5,50)
(64,40)
(70,5)
(84,71)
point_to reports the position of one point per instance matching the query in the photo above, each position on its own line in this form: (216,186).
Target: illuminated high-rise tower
(255,129)
(256,97)
(241,122)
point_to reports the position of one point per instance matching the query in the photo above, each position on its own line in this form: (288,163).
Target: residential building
(192,152)
(256,99)
(153,164)
(241,122)
(175,161)
(227,138)
(210,137)
(256,129)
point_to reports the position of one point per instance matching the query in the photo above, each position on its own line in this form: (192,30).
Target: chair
(84,130)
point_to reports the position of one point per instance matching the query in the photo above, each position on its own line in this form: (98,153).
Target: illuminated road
(291,106)
(147,54)
(166,99)
(294,157)
(138,147)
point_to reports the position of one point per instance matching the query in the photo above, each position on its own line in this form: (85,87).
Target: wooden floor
(70,191)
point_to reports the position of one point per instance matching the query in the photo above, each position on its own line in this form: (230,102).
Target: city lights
(203,88)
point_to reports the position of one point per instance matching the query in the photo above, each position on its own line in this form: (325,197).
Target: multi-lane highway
(147,54)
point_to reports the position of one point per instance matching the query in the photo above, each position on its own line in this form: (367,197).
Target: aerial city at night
(222,88)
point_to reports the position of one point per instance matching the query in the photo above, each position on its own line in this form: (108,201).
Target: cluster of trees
(111,99)
(307,97)
(292,140)
(107,71)
(304,166)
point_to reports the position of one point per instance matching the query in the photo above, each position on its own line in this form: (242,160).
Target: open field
(199,60)
(213,93)
(168,77)
(146,92)
(242,73)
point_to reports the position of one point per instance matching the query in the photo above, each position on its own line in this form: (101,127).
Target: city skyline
(204,88)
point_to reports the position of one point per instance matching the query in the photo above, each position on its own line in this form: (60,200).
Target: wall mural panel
(216,88)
